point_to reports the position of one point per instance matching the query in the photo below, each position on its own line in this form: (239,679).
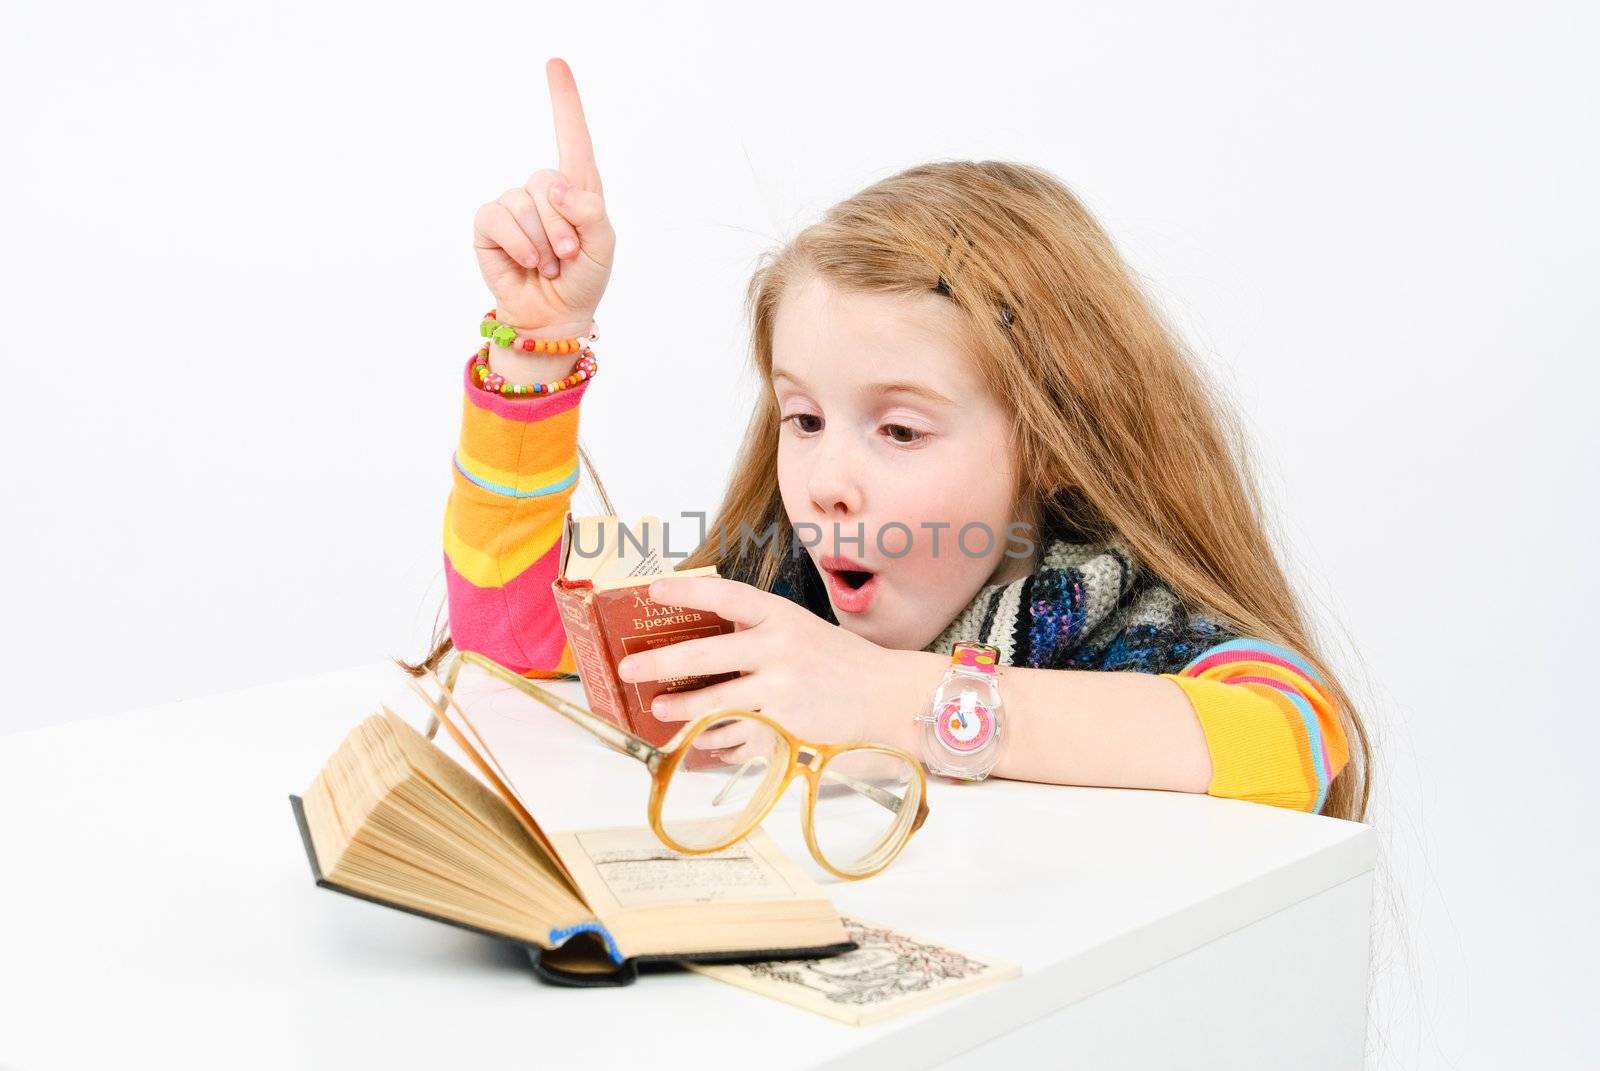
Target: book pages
(625,868)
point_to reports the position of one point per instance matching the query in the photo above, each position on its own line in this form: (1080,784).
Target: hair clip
(1007,317)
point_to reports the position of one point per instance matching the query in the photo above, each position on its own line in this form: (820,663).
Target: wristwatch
(961,732)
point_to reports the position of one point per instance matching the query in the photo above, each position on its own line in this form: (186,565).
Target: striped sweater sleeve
(1272,730)
(515,468)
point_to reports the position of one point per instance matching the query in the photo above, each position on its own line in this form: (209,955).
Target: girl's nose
(832,485)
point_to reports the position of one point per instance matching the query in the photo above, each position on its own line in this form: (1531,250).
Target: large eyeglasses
(719,776)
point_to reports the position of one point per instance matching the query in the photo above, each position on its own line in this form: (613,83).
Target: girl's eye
(811,423)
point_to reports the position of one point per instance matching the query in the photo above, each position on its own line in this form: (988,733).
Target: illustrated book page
(888,974)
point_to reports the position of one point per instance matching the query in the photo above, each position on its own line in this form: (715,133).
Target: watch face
(964,730)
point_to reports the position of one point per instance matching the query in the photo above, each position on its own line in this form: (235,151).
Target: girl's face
(894,460)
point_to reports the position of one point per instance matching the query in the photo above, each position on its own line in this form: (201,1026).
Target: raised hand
(545,248)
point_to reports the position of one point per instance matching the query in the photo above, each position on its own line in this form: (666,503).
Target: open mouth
(850,586)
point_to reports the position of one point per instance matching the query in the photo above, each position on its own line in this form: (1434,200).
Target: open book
(393,819)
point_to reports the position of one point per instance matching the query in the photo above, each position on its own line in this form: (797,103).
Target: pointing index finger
(576,152)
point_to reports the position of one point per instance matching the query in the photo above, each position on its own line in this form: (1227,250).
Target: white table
(156,909)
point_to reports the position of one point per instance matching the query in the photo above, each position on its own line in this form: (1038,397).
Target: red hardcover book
(602,593)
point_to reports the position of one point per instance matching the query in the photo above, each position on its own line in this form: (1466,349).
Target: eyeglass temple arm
(887,800)
(877,795)
(619,739)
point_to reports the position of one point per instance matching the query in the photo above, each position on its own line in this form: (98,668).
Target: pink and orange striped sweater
(1271,728)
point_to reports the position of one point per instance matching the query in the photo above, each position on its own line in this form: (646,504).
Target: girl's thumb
(578,207)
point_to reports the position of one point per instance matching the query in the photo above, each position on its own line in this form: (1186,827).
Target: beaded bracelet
(504,335)
(495,383)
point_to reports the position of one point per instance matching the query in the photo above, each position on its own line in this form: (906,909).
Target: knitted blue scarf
(1087,605)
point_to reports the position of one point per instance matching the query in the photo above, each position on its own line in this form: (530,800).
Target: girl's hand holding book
(545,248)
(818,680)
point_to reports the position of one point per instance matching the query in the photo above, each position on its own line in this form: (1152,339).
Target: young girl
(957,350)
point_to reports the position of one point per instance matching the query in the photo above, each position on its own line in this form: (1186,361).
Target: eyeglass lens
(730,774)
(867,799)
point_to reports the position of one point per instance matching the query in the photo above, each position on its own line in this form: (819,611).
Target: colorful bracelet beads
(495,383)
(505,336)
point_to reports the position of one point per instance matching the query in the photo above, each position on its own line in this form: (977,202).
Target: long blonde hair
(1116,429)
(1117,432)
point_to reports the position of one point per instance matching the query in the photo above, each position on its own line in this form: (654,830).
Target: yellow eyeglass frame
(805,758)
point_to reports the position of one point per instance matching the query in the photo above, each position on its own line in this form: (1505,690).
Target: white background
(239,291)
